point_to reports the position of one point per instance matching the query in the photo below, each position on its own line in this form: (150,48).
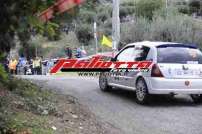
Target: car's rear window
(181,55)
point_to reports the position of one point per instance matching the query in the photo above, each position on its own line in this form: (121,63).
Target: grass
(31,123)
(24,107)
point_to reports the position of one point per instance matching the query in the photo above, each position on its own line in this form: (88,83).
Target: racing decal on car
(96,64)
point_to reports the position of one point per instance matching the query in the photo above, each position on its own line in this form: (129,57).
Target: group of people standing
(38,65)
(23,66)
(78,52)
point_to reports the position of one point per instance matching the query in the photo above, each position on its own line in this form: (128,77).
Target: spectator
(78,53)
(50,64)
(12,66)
(44,67)
(83,53)
(37,66)
(21,67)
(68,52)
(28,69)
(30,62)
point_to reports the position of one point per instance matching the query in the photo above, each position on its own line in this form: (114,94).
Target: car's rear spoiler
(178,45)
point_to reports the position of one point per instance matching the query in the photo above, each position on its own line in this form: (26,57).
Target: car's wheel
(142,95)
(197,98)
(103,83)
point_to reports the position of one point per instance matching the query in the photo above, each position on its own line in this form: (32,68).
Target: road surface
(165,115)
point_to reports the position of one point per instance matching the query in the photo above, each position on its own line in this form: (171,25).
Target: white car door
(140,54)
(125,55)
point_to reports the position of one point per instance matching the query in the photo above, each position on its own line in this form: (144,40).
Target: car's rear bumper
(176,86)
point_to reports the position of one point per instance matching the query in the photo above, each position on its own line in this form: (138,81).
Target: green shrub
(135,31)
(127,8)
(84,38)
(176,27)
(166,25)
(146,8)
(3,75)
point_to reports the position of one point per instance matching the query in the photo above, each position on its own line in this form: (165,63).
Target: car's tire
(142,94)
(103,83)
(197,98)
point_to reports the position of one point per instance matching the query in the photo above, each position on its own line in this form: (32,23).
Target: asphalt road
(165,115)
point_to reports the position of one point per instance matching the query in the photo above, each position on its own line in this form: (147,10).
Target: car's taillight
(156,72)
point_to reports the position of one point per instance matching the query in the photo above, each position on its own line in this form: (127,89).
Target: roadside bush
(3,75)
(37,100)
(25,100)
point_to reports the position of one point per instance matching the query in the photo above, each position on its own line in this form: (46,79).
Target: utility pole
(166,4)
(95,36)
(115,25)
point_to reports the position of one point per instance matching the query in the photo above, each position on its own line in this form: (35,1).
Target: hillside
(138,22)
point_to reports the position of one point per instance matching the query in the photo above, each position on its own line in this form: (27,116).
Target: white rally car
(176,69)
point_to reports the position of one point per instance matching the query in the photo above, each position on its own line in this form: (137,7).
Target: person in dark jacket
(68,52)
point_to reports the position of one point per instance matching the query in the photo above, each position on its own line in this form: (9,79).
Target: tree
(196,6)
(127,9)
(19,18)
(146,8)
(84,21)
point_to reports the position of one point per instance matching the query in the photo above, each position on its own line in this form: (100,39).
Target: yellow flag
(106,42)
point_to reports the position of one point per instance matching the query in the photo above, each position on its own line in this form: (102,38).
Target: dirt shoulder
(28,109)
